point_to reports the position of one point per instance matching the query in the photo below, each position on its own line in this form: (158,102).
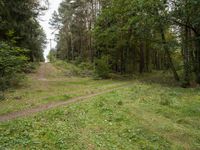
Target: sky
(44,21)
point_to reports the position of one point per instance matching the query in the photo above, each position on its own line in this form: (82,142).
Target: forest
(120,74)
(22,40)
(131,36)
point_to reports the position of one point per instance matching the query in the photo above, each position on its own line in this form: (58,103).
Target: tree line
(22,39)
(132,35)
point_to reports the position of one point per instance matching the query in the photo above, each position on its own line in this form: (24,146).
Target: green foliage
(12,60)
(139,36)
(52,56)
(73,69)
(19,30)
(19,25)
(2,97)
(30,67)
(102,68)
(86,66)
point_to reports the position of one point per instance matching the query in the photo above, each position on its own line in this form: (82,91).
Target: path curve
(33,111)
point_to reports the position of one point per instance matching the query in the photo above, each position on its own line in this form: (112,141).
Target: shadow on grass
(161,78)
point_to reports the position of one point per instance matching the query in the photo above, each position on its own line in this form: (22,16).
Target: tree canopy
(22,39)
(136,36)
(19,22)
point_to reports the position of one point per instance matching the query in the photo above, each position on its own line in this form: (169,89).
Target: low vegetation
(12,60)
(82,69)
(141,116)
(52,83)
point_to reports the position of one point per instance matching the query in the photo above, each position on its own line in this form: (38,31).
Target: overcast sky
(44,21)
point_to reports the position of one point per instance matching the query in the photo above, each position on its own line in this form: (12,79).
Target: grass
(41,91)
(145,115)
(54,87)
(131,118)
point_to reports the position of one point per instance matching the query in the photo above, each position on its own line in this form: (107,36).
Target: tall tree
(136,36)
(21,18)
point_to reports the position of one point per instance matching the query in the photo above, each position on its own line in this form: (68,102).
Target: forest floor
(54,111)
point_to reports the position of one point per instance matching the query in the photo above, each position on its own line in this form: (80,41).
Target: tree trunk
(186,60)
(142,62)
(147,57)
(166,48)
(197,57)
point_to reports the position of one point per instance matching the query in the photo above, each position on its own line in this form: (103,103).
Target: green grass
(39,92)
(54,88)
(153,113)
(143,116)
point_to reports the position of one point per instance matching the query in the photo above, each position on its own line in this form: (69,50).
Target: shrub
(2,97)
(70,69)
(85,66)
(86,69)
(52,56)
(30,67)
(12,60)
(102,68)
(12,80)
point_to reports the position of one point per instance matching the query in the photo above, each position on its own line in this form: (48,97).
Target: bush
(86,66)
(86,69)
(2,97)
(12,60)
(30,67)
(102,68)
(83,69)
(10,81)
(52,55)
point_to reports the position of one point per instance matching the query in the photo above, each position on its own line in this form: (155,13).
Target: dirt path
(41,73)
(44,71)
(33,111)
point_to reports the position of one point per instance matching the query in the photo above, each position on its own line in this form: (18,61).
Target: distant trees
(75,21)
(136,36)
